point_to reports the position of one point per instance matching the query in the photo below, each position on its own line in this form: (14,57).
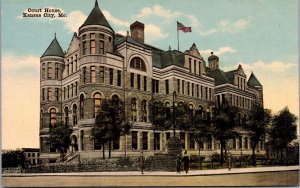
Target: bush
(215,157)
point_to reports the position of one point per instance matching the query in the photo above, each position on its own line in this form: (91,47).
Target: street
(281,178)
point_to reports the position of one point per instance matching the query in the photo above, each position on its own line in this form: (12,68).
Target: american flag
(181,27)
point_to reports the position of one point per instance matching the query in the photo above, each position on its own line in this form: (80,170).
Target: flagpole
(177,36)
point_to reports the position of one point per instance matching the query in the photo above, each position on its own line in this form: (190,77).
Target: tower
(213,61)
(51,67)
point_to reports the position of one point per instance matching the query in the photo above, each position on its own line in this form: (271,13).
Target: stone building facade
(100,63)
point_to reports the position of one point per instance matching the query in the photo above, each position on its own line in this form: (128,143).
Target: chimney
(137,31)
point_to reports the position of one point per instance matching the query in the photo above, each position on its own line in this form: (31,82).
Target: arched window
(115,99)
(137,63)
(66,116)
(81,106)
(133,110)
(97,103)
(144,111)
(52,117)
(191,112)
(168,110)
(200,110)
(74,114)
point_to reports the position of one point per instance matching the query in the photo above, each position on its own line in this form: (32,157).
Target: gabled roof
(54,49)
(96,17)
(253,81)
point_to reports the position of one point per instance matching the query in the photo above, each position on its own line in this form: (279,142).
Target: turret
(213,61)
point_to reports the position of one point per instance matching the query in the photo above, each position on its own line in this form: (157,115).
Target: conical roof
(253,81)
(96,17)
(54,49)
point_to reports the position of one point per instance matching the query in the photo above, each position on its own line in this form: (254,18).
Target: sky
(261,35)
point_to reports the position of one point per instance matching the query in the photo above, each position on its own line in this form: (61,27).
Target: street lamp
(174,116)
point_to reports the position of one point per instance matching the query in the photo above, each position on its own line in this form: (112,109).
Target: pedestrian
(229,162)
(178,164)
(186,162)
(142,162)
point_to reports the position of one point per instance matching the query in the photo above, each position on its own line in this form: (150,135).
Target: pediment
(74,44)
(194,51)
(240,71)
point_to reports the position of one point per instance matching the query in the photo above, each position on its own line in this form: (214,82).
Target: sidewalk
(161,173)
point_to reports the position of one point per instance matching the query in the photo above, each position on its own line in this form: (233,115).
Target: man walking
(142,162)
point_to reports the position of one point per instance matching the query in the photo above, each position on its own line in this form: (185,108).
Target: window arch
(81,104)
(52,117)
(144,111)
(74,114)
(168,110)
(133,109)
(137,63)
(115,99)
(97,103)
(66,116)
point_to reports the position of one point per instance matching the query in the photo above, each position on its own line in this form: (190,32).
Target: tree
(283,130)
(13,158)
(201,129)
(110,123)
(224,125)
(60,138)
(257,123)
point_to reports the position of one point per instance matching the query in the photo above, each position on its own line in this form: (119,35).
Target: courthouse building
(100,63)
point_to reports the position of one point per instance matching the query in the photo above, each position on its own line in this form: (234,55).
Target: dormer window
(138,64)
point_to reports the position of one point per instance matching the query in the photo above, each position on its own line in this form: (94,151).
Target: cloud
(114,20)
(74,20)
(220,51)
(233,27)
(20,109)
(159,11)
(279,80)
(153,32)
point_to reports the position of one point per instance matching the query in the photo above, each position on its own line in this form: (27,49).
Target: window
(43,71)
(115,99)
(50,94)
(75,63)
(190,64)
(206,95)
(56,70)
(134,140)
(84,74)
(101,47)
(101,74)
(167,86)
(84,45)
(155,86)
(209,143)
(119,78)
(182,86)
(133,110)
(101,36)
(199,68)
(111,76)
(97,144)
(43,94)
(131,79)
(195,66)
(210,94)
(156,141)
(68,92)
(92,35)
(178,85)
(192,89)
(67,68)
(72,90)
(97,104)
(64,91)
(74,114)
(138,64)
(197,91)
(57,94)
(66,116)
(246,143)
(81,106)
(109,39)
(49,70)
(93,47)
(76,87)
(52,117)
(145,140)
(93,74)
(139,82)
(144,111)
(145,83)
(116,143)
(201,92)
(182,138)
(188,88)
(71,66)
(168,110)
(192,141)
